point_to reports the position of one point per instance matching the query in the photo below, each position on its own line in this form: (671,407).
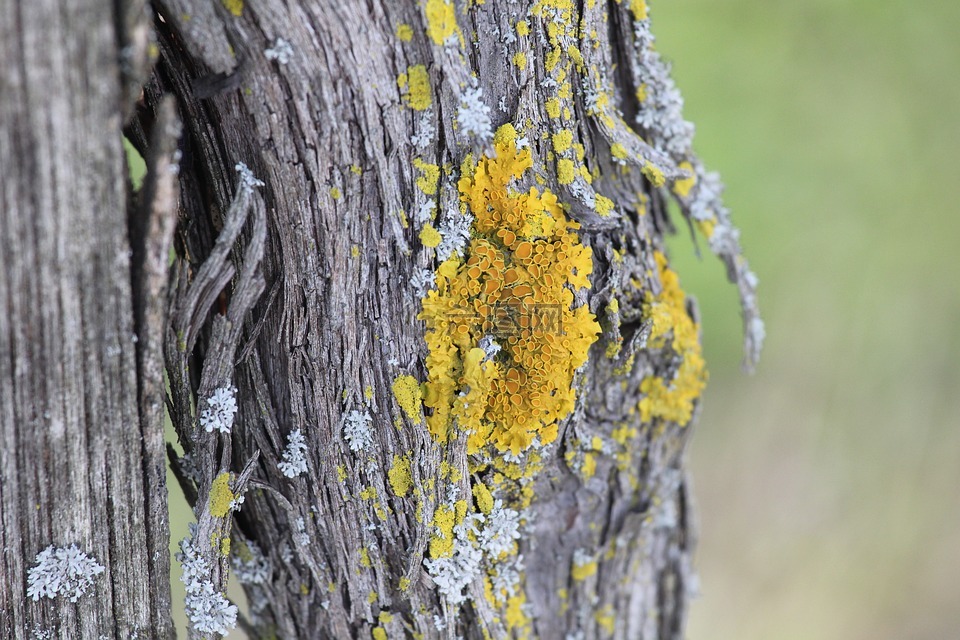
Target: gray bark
(297,294)
(81,398)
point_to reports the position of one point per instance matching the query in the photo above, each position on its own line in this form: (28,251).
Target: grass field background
(828,484)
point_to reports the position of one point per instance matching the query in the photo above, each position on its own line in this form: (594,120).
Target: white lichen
(207,609)
(64,571)
(452,574)
(426,131)
(248,182)
(358,431)
(281,51)
(473,115)
(221,408)
(253,567)
(454,233)
(423,280)
(501,529)
(294,460)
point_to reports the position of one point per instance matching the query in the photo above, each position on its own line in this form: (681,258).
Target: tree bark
(324,144)
(81,398)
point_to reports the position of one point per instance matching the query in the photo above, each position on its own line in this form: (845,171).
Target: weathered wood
(317,99)
(79,464)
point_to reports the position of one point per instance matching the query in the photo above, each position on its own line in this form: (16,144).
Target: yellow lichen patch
(523,28)
(682,186)
(429,236)
(335,193)
(404,32)
(404,584)
(372,597)
(706,226)
(606,619)
(365,558)
(221,496)
(514,284)
(379,633)
(562,140)
(673,327)
(565,173)
(399,476)
(407,392)
(641,92)
(603,205)
(584,570)
(553,107)
(368,392)
(441,20)
(234,6)
(415,85)
(520,60)
(639,9)
(429,176)
(618,151)
(653,174)
(441,543)
(483,497)
(516,617)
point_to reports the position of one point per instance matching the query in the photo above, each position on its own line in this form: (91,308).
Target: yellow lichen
(583,570)
(553,107)
(368,392)
(221,496)
(365,558)
(404,32)
(429,176)
(653,174)
(415,84)
(673,327)
(562,140)
(515,283)
(429,236)
(483,497)
(341,473)
(441,20)
(399,476)
(565,173)
(639,9)
(372,597)
(335,193)
(404,584)
(379,633)
(406,390)
(520,60)
(683,186)
(603,205)
(606,618)
(234,6)
(441,543)
(618,151)
(523,28)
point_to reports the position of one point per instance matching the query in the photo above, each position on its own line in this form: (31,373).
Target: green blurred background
(827,484)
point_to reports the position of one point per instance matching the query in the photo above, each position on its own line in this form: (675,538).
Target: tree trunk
(82,476)
(430,369)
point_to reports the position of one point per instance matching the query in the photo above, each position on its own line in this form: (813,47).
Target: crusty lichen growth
(516,281)
(221,497)
(673,327)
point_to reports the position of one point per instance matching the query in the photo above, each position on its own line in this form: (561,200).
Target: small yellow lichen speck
(584,570)
(368,392)
(355,168)
(672,400)
(618,151)
(683,186)
(354,251)
(524,253)
(404,32)
(415,84)
(441,20)
(407,392)
(523,28)
(365,558)
(520,60)
(372,597)
(335,193)
(441,544)
(221,496)
(234,6)
(429,236)
(553,107)
(429,176)
(404,584)
(399,476)
(606,618)
(379,633)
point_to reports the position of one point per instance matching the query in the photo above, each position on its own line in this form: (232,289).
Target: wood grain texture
(338,315)
(79,464)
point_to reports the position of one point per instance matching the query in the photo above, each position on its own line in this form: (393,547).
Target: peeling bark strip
(378,170)
(83,516)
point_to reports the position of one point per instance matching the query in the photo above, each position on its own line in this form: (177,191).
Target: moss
(524,258)
(221,496)
(399,476)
